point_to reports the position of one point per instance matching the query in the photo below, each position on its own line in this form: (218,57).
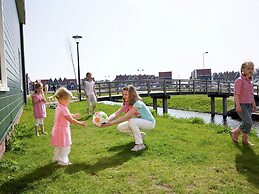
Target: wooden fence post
(224,107)
(164,88)
(155,103)
(180,89)
(148,88)
(110,93)
(212,105)
(193,86)
(165,106)
(99,85)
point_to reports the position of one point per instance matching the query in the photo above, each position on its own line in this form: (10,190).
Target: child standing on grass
(90,93)
(39,107)
(61,134)
(137,117)
(244,102)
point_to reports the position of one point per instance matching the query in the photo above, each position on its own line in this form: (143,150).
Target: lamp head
(77,38)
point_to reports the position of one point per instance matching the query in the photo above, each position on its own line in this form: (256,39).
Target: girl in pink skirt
(61,134)
(39,107)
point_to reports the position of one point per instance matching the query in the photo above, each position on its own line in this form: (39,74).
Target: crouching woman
(137,117)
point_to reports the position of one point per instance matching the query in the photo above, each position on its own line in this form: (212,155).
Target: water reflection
(217,119)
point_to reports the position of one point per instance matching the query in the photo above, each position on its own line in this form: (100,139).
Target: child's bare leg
(235,133)
(42,129)
(36,130)
(237,130)
(245,139)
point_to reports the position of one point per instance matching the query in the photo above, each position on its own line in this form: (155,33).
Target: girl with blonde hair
(61,133)
(244,102)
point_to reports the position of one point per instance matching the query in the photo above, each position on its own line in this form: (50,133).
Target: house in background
(202,74)
(229,76)
(165,75)
(70,84)
(12,67)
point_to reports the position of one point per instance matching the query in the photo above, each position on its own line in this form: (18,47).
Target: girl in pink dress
(61,134)
(39,108)
(244,102)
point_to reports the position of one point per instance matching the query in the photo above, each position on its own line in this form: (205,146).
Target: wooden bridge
(164,88)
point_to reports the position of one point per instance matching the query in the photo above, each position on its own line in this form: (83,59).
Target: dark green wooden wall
(11,102)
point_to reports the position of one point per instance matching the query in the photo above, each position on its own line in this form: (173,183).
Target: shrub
(15,143)
(196,120)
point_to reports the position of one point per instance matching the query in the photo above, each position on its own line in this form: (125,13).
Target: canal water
(218,119)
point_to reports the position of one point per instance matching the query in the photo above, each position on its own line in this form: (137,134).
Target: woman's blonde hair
(245,64)
(133,94)
(62,93)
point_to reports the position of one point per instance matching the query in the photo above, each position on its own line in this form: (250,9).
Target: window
(3,76)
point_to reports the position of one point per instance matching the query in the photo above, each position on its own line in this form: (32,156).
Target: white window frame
(3,77)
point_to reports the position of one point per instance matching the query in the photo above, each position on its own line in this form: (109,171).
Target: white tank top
(89,87)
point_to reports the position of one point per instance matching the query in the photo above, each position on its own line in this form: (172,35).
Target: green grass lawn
(198,103)
(181,156)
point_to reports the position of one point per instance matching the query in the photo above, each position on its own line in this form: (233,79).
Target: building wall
(202,74)
(165,75)
(11,100)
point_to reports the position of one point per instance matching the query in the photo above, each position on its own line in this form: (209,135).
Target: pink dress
(61,134)
(39,107)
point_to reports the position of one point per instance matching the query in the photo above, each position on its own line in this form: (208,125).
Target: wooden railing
(173,86)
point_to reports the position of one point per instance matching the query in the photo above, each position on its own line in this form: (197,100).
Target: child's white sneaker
(138,147)
(143,135)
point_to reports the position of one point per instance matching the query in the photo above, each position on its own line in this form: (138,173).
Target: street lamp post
(203,62)
(77,38)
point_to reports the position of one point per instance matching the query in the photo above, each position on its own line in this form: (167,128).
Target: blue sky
(121,36)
